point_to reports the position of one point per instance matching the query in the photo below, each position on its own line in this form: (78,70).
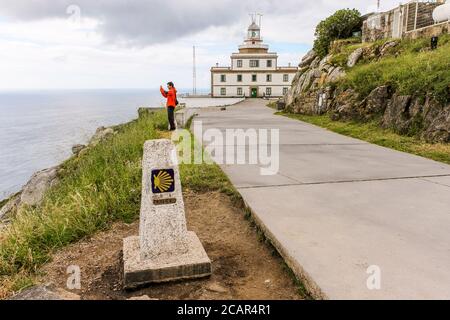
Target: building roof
(254,26)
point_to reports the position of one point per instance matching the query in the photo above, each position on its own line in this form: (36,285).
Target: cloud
(132,22)
(118,43)
(146,22)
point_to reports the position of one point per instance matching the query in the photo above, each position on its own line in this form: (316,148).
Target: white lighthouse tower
(254,71)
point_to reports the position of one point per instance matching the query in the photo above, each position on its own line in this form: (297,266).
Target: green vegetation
(96,189)
(411,68)
(371,132)
(340,25)
(3,202)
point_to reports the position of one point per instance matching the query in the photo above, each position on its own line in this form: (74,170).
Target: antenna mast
(260,19)
(194,74)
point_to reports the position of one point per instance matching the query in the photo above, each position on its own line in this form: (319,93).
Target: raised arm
(164,93)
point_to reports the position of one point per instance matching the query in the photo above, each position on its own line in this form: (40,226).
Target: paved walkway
(340,205)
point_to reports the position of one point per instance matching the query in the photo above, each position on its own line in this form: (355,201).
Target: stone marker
(164,249)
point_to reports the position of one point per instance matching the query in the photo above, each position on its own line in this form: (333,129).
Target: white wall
(246,64)
(231,79)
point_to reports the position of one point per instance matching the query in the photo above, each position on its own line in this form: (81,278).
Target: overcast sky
(142,43)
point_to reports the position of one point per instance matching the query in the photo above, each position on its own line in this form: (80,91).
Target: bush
(340,25)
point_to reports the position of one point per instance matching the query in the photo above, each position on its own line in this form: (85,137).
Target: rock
(45,292)
(397,115)
(315,63)
(40,182)
(388,45)
(324,62)
(142,112)
(144,297)
(101,134)
(345,105)
(439,128)
(307,59)
(336,74)
(215,287)
(76,149)
(354,57)
(309,77)
(376,102)
(10,207)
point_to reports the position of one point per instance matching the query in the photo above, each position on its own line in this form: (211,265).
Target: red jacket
(171,96)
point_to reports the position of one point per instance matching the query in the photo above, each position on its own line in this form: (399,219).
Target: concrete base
(193,264)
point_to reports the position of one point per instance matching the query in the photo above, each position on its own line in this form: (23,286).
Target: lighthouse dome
(254,27)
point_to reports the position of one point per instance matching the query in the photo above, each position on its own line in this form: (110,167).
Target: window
(269,63)
(239,91)
(254,78)
(223,78)
(286,78)
(223,91)
(285,91)
(254,63)
(239,63)
(239,78)
(269,78)
(268,91)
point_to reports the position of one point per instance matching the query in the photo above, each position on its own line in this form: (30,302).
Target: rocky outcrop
(307,59)
(34,191)
(76,149)
(315,90)
(387,46)
(309,93)
(354,57)
(9,208)
(45,293)
(101,134)
(436,120)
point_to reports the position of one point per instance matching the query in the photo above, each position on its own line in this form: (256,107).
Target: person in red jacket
(171,104)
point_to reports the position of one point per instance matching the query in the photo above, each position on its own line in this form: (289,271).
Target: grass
(373,133)
(410,68)
(96,189)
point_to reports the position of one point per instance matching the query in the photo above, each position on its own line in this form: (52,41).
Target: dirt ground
(243,266)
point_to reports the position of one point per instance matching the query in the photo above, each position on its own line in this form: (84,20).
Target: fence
(406,21)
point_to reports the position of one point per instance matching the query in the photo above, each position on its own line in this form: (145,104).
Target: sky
(85,44)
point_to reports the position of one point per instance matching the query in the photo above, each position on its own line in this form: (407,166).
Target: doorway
(254,92)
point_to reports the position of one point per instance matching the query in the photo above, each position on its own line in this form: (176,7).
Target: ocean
(39,128)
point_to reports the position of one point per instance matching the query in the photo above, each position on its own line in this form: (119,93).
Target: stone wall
(428,32)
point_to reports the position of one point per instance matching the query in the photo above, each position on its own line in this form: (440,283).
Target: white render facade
(254,71)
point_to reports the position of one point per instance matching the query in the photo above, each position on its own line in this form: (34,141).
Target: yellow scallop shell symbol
(163,181)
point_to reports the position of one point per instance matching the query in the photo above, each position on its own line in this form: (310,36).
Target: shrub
(340,25)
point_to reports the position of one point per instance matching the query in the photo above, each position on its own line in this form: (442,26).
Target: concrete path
(339,206)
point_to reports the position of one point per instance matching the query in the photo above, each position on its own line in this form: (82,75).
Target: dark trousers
(171,115)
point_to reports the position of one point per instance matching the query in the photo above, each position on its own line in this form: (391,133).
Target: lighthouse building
(254,71)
